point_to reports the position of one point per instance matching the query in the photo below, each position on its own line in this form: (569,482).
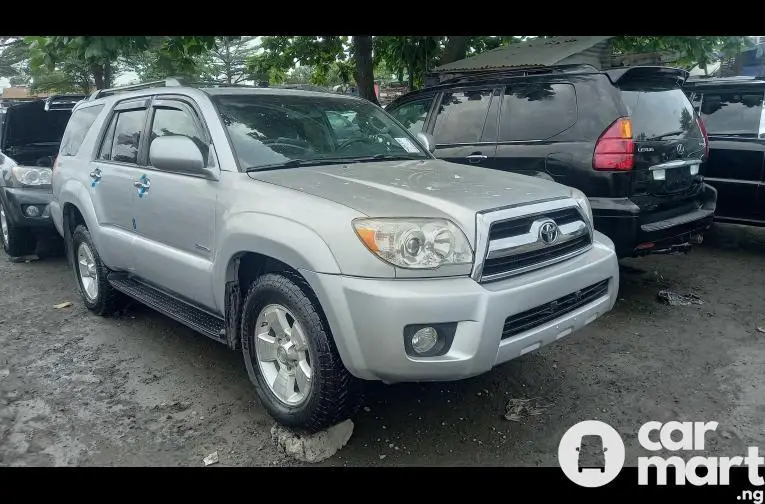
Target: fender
(286,240)
(72,192)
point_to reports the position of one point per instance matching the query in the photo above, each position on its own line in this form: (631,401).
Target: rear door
(734,121)
(464,125)
(669,144)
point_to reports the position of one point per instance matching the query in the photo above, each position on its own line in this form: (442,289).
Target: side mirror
(179,154)
(427,141)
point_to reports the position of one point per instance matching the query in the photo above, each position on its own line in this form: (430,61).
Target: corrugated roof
(534,52)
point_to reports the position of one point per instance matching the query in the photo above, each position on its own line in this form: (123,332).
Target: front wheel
(291,358)
(17,241)
(97,293)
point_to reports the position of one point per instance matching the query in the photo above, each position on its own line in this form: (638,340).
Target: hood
(429,188)
(29,123)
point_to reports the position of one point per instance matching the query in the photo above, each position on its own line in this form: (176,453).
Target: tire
(17,241)
(333,394)
(104,299)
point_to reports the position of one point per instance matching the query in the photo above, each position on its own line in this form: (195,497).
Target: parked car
(30,135)
(328,260)
(732,111)
(626,137)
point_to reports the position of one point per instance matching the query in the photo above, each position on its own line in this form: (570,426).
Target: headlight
(583,203)
(31,176)
(415,243)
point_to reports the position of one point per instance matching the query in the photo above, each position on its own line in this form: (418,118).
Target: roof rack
(168,82)
(468,75)
(62,102)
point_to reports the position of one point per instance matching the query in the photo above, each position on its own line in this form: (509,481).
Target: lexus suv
(30,138)
(329,251)
(627,137)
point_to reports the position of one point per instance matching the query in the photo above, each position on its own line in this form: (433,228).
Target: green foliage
(692,50)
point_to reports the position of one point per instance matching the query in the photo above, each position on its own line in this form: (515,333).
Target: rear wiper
(664,135)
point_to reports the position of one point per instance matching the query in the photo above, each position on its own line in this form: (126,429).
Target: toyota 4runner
(328,255)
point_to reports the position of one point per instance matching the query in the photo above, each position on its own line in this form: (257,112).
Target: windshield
(274,130)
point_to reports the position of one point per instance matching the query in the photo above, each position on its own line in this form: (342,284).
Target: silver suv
(315,233)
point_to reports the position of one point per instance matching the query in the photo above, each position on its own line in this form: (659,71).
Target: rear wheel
(97,293)
(16,241)
(291,358)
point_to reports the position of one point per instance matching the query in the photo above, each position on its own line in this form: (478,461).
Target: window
(537,111)
(732,113)
(171,121)
(461,116)
(413,114)
(660,113)
(123,137)
(77,129)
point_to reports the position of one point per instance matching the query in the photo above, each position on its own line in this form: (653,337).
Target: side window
(732,113)
(175,121)
(78,127)
(537,111)
(413,114)
(461,116)
(123,137)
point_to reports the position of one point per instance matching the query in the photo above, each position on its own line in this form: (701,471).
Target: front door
(175,212)
(464,125)
(111,183)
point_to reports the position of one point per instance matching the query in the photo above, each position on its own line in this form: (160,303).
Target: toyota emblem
(680,149)
(548,232)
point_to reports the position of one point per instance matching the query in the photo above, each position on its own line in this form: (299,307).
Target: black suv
(731,109)
(30,137)
(627,137)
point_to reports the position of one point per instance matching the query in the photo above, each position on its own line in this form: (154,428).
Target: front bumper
(17,199)
(368,316)
(628,227)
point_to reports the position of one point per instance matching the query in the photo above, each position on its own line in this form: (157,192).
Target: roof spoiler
(618,75)
(62,102)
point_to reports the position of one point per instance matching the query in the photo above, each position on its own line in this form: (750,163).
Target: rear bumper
(623,221)
(17,199)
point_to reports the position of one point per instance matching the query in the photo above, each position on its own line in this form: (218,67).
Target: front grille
(515,241)
(521,322)
(500,265)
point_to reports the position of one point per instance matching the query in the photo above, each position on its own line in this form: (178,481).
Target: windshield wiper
(397,156)
(294,163)
(664,135)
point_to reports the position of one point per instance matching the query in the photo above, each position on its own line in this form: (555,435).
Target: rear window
(78,127)
(732,113)
(660,114)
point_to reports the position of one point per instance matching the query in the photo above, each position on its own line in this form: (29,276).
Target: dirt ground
(140,389)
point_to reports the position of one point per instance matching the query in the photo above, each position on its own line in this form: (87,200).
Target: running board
(181,311)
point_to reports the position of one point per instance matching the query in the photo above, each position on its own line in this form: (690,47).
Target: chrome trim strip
(530,241)
(678,163)
(526,269)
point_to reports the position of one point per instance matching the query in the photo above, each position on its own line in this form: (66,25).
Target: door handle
(474,158)
(95,174)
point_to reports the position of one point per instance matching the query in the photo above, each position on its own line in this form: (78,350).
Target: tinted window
(413,114)
(273,129)
(170,122)
(123,137)
(732,113)
(660,114)
(78,127)
(537,111)
(461,116)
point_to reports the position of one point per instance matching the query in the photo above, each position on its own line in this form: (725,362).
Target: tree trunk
(107,72)
(364,72)
(454,50)
(98,75)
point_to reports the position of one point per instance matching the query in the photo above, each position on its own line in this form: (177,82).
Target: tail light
(704,134)
(615,149)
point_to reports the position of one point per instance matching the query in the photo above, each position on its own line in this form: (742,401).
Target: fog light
(32,211)
(424,340)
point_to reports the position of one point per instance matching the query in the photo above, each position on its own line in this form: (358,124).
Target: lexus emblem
(548,232)
(680,149)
